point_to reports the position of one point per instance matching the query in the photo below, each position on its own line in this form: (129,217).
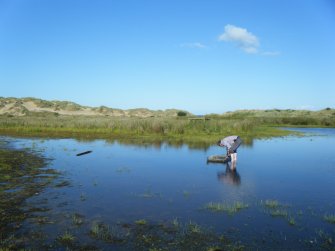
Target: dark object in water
(218,158)
(79,154)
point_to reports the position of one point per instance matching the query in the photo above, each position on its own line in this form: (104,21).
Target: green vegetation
(279,213)
(288,117)
(67,119)
(291,220)
(329,218)
(21,176)
(66,238)
(77,219)
(145,129)
(271,204)
(100,231)
(223,207)
(277,209)
(181,114)
(141,222)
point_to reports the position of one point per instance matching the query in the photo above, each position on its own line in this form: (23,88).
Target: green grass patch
(141,222)
(279,213)
(146,129)
(66,238)
(271,204)
(224,207)
(291,221)
(329,218)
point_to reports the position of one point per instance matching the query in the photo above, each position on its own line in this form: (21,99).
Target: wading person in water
(231,143)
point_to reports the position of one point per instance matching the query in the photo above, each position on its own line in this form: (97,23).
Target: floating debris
(83,153)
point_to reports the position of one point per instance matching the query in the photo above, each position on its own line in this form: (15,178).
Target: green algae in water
(22,175)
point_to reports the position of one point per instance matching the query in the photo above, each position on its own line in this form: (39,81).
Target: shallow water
(119,183)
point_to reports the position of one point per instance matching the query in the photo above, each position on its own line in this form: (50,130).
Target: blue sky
(201,56)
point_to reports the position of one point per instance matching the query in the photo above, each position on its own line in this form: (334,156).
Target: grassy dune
(277,117)
(248,124)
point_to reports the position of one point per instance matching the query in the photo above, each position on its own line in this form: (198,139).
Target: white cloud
(194,45)
(244,39)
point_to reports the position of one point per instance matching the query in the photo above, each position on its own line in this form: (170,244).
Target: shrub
(181,114)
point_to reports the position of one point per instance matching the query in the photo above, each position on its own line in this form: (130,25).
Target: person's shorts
(236,144)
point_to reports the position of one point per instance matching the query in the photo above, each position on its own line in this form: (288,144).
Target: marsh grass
(329,218)
(141,222)
(228,208)
(66,238)
(104,232)
(273,204)
(175,223)
(186,194)
(194,228)
(77,219)
(145,128)
(22,175)
(291,221)
(325,239)
(276,209)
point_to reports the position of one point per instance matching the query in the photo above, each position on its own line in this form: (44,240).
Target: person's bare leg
(232,165)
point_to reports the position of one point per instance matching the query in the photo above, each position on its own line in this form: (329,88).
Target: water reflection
(230,175)
(158,144)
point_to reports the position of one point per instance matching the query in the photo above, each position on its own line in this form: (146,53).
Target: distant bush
(181,114)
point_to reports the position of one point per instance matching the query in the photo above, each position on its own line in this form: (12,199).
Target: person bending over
(231,143)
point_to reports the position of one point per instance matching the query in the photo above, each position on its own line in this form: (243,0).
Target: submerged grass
(22,175)
(291,221)
(141,222)
(279,213)
(228,208)
(271,204)
(66,238)
(77,219)
(329,218)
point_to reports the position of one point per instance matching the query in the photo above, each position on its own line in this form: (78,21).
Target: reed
(223,207)
(173,128)
(329,218)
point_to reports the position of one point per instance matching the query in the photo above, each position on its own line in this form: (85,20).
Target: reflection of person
(231,143)
(230,176)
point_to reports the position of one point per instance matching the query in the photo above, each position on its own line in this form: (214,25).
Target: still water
(285,184)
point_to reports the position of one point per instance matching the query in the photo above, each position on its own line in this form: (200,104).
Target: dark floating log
(87,152)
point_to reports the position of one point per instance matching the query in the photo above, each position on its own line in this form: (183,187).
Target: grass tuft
(66,238)
(271,204)
(141,222)
(329,218)
(223,207)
